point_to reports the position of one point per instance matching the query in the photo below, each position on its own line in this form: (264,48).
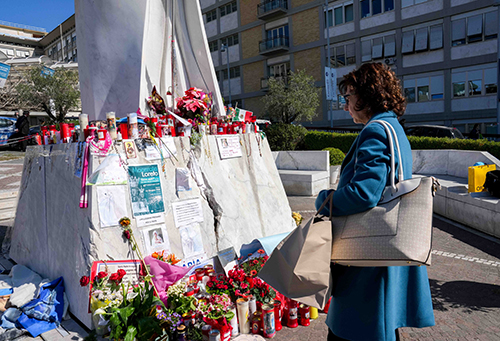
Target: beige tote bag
(299,266)
(398,231)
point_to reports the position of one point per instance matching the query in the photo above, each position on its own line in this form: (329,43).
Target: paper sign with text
(229,146)
(187,212)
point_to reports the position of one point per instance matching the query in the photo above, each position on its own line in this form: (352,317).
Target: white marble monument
(125,48)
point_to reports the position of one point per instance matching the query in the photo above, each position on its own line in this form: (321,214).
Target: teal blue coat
(370,303)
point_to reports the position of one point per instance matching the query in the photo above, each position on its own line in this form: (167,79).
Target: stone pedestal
(243,199)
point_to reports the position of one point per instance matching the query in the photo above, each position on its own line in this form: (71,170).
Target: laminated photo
(156,239)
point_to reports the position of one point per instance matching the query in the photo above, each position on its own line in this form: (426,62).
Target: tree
(297,101)
(56,94)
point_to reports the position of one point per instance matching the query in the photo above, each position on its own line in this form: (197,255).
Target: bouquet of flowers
(170,258)
(220,286)
(106,289)
(216,307)
(262,291)
(195,104)
(179,302)
(297,217)
(217,313)
(252,266)
(169,319)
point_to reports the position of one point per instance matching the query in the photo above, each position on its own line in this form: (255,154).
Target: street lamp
(223,48)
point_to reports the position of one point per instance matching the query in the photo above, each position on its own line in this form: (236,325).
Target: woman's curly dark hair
(377,87)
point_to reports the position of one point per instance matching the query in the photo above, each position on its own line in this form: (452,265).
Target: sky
(46,14)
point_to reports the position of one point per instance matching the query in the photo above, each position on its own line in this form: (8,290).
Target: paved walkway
(465,286)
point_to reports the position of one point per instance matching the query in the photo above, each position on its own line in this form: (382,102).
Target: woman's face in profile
(351,99)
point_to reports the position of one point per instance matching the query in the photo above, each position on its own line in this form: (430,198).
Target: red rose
(210,284)
(114,277)
(121,273)
(84,281)
(102,275)
(126,234)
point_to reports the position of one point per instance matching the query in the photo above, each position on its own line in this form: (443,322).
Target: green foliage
(417,142)
(319,140)
(283,136)
(181,304)
(135,318)
(56,94)
(297,101)
(336,156)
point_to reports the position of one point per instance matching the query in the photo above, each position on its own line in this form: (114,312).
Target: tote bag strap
(389,129)
(329,198)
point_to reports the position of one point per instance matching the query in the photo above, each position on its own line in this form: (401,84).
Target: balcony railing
(271,8)
(271,45)
(264,82)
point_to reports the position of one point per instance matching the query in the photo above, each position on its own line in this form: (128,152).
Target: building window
(234,72)
(340,14)
(211,15)
(366,50)
(470,83)
(424,89)
(231,40)
(342,55)
(423,39)
(213,45)
(277,37)
(390,46)
(436,37)
(377,48)
(374,7)
(490,81)
(470,29)
(279,71)
(228,9)
(490,25)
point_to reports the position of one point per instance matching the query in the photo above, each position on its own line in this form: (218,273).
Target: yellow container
(313,312)
(477,176)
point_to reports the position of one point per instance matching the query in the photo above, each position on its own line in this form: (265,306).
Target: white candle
(252,305)
(133,129)
(234,322)
(243,315)
(111,118)
(84,122)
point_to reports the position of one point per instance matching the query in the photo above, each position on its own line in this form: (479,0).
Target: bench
(480,211)
(303,173)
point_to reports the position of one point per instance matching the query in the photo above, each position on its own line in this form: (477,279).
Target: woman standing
(370,303)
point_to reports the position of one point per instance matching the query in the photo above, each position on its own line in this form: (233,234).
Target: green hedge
(283,136)
(318,140)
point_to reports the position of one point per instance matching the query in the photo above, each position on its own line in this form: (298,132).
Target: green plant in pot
(336,158)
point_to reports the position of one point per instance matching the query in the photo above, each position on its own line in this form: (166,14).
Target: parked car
(7,128)
(263,124)
(434,131)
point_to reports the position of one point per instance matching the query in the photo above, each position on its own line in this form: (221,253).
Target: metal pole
(172,57)
(228,75)
(62,43)
(328,103)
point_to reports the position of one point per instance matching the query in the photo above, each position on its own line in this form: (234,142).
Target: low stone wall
(480,211)
(303,173)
